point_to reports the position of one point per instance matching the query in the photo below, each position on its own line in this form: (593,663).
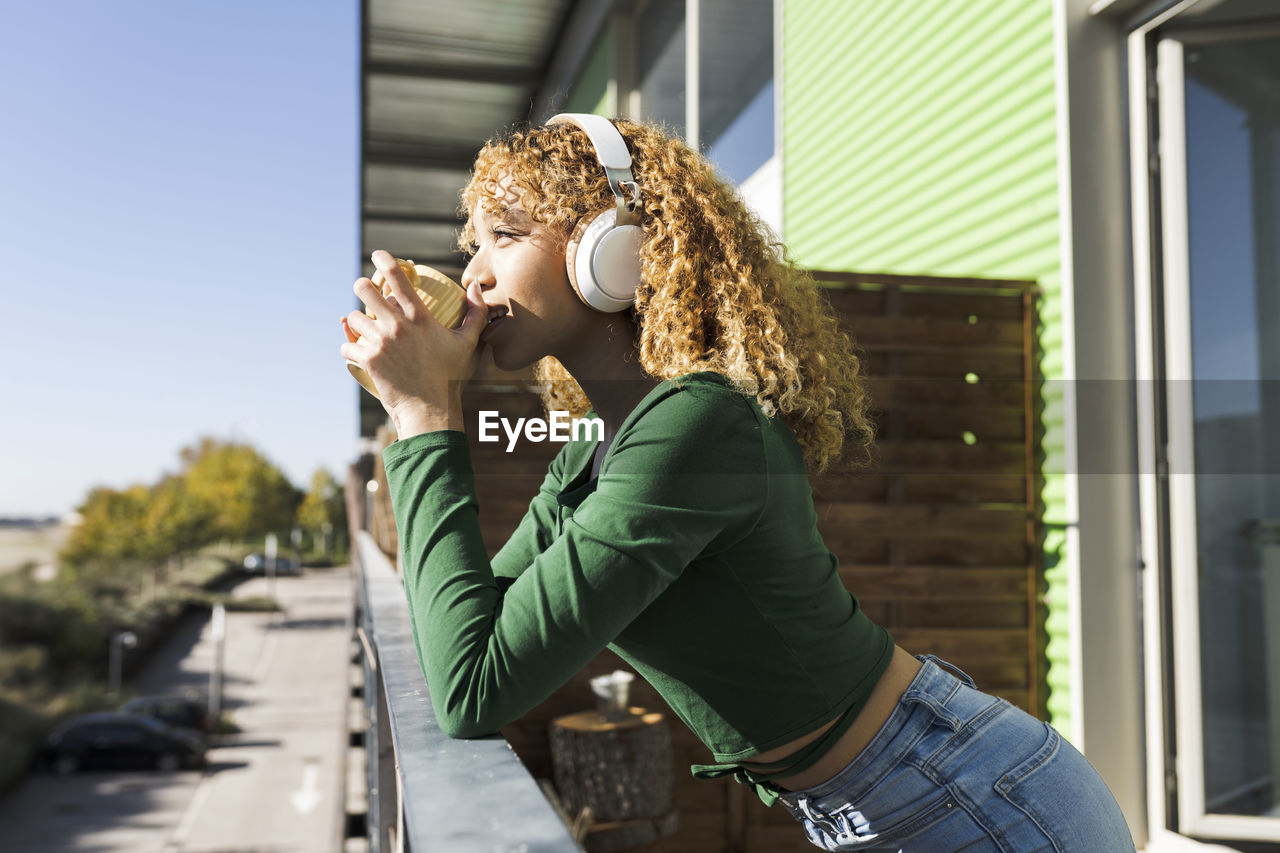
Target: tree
(227,491)
(175,523)
(245,494)
(105,540)
(324,509)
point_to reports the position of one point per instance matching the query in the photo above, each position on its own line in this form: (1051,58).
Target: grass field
(37,544)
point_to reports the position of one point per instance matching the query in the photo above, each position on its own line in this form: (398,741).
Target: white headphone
(603,258)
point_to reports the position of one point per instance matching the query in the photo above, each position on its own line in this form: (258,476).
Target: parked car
(257,564)
(183,712)
(115,740)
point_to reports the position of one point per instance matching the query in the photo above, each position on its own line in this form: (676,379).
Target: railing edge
(455,795)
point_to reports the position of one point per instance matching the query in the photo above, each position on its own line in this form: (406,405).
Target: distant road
(276,785)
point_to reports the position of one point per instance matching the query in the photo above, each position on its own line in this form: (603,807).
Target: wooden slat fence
(942,543)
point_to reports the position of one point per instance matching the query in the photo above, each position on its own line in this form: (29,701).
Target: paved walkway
(274,786)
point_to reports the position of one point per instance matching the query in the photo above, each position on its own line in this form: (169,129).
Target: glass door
(1218,111)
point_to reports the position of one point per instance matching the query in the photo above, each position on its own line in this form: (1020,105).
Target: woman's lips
(492,324)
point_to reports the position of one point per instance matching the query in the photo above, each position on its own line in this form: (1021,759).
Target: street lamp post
(272,548)
(119,641)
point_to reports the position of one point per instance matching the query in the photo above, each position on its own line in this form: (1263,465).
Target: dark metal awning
(439,78)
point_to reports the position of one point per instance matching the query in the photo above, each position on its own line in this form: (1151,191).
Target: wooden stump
(619,769)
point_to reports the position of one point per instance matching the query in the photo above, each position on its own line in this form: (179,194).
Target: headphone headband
(611,151)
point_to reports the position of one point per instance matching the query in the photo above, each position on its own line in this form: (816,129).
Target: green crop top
(695,556)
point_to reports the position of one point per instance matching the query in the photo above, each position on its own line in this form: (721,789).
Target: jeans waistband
(926,699)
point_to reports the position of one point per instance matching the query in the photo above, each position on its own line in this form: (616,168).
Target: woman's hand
(418,365)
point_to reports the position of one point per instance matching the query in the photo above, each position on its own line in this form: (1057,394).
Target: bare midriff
(893,682)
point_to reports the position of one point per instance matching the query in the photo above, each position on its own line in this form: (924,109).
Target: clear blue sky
(178,237)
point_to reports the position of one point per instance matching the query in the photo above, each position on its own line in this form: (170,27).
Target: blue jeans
(955,769)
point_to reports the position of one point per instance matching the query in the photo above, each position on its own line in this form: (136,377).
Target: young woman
(650,297)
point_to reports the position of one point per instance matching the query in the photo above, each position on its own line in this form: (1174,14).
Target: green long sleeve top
(694,555)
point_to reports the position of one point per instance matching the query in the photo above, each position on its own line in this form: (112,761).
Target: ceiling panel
(441,111)
(433,239)
(392,189)
(483,32)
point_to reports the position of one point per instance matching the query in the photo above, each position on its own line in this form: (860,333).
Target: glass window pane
(1233,189)
(735,85)
(660,68)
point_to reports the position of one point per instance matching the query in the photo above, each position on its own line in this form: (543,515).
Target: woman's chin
(507,361)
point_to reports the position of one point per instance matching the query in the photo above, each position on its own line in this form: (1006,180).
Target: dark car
(183,712)
(119,741)
(257,564)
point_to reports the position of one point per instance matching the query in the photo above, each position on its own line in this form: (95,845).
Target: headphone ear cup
(571,252)
(603,262)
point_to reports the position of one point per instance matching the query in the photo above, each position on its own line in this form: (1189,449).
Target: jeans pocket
(1061,793)
(1025,791)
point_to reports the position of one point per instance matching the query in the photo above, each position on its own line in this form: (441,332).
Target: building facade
(1124,156)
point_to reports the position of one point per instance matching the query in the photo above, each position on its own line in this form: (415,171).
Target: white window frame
(1173,465)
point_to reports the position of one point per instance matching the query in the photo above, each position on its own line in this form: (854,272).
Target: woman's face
(519,265)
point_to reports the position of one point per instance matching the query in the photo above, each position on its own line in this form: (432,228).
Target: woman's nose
(478,271)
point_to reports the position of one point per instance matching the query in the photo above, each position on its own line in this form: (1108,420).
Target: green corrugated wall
(919,136)
(593,91)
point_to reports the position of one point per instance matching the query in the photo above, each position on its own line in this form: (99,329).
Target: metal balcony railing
(429,792)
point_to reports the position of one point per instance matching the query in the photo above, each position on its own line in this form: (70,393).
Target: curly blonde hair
(717,291)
